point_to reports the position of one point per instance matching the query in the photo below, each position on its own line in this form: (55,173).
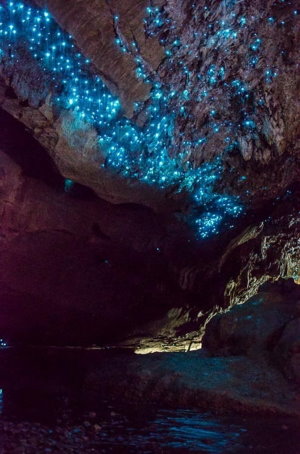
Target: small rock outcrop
(267,326)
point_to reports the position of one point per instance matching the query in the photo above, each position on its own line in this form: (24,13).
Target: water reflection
(47,403)
(196,431)
(188,431)
(179,431)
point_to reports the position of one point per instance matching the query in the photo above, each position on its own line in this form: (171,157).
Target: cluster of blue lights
(270,74)
(255,45)
(150,153)
(3,343)
(155,18)
(234,106)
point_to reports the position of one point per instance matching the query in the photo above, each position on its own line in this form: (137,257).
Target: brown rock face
(72,267)
(266,327)
(232,68)
(76,269)
(256,326)
(96,29)
(94,265)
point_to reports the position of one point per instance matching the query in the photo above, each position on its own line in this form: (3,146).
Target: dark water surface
(53,414)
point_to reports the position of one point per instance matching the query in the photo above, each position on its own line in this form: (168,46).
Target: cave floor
(87,401)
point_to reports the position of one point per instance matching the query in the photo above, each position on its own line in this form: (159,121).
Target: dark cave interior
(150,227)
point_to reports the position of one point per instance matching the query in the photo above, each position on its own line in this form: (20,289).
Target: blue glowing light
(68,185)
(249,123)
(3,343)
(143,153)
(270,74)
(255,45)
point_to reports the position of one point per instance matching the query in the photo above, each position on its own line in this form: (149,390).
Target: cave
(150,227)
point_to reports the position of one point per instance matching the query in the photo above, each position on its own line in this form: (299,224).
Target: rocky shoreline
(148,430)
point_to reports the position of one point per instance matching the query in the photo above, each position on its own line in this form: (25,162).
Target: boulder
(254,328)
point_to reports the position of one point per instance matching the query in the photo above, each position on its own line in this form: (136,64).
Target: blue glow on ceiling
(149,153)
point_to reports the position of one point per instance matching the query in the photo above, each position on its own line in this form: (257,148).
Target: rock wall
(264,327)
(216,83)
(226,72)
(74,269)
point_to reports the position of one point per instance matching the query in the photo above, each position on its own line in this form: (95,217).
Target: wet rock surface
(187,380)
(68,400)
(222,385)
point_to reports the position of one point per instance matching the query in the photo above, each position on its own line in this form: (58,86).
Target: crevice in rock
(10,93)
(33,159)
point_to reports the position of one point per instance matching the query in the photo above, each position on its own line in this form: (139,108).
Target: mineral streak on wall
(148,153)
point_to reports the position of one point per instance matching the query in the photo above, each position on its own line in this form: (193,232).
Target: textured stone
(233,385)
(94,30)
(254,328)
(276,250)
(62,249)
(74,268)
(267,248)
(221,385)
(269,162)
